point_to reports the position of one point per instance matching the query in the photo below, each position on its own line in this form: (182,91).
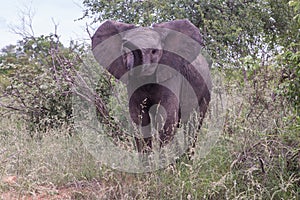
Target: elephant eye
(153,51)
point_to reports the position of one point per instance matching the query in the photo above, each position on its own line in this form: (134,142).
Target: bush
(33,80)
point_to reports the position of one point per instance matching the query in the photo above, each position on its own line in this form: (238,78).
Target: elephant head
(161,65)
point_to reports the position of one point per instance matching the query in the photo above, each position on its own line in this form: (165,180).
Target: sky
(62,12)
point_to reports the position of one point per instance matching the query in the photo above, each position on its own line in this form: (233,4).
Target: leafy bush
(32,80)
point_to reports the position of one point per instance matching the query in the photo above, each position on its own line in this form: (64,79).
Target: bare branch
(25,28)
(55,27)
(88,30)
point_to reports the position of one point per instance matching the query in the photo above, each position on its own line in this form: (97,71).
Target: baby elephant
(166,75)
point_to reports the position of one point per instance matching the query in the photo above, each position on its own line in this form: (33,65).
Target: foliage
(290,86)
(233,30)
(290,60)
(31,78)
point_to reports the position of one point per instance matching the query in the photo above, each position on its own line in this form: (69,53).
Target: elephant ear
(107,46)
(181,37)
(182,43)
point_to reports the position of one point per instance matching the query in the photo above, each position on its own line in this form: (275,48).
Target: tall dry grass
(257,156)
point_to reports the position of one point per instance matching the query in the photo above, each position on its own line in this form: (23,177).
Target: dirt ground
(76,190)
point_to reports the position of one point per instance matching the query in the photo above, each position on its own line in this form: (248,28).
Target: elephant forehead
(143,38)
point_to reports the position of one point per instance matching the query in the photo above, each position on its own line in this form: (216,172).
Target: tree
(231,29)
(234,31)
(290,59)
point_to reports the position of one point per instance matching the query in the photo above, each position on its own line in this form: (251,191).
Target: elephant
(166,75)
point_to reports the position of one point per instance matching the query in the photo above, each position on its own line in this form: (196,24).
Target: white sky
(63,12)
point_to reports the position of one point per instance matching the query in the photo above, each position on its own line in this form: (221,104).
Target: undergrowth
(257,156)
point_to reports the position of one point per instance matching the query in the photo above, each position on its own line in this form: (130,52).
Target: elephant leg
(144,145)
(166,135)
(144,139)
(139,113)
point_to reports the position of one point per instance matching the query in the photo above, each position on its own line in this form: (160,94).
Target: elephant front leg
(143,138)
(166,135)
(139,112)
